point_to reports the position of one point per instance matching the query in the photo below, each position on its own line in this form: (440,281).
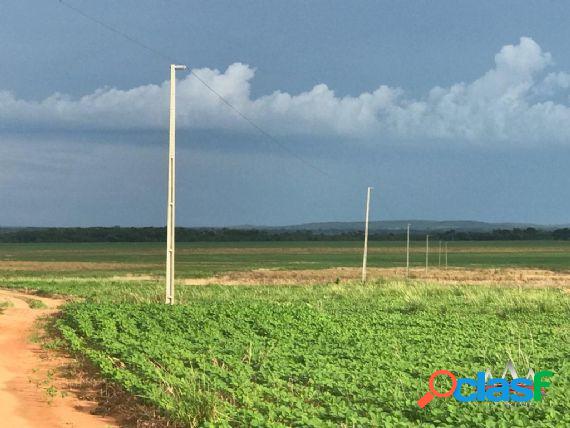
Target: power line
(171,60)
(117,31)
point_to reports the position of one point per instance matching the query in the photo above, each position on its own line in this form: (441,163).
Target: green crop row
(334,355)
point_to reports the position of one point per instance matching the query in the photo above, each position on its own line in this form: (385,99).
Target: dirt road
(30,394)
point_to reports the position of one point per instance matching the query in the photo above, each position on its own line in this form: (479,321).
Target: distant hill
(416,225)
(352,226)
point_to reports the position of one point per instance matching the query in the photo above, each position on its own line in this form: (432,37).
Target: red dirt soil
(26,374)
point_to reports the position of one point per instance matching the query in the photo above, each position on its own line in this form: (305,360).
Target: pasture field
(329,353)
(206,259)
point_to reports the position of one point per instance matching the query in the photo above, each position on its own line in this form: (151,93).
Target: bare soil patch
(31,394)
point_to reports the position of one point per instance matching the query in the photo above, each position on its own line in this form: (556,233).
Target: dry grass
(503,276)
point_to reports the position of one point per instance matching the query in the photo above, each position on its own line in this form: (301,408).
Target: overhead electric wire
(172,60)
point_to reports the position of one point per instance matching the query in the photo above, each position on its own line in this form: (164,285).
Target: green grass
(93,289)
(206,259)
(35,303)
(328,355)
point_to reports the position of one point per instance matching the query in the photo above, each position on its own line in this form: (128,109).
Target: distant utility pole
(366,234)
(408,252)
(171,207)
(427,252)
(439,255)
(446,255)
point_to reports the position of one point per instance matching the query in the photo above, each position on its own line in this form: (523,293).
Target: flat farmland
(284,333)
(197,260)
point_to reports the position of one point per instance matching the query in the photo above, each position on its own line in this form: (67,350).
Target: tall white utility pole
(427,252)
(408,252)
(366,234)
(171,208)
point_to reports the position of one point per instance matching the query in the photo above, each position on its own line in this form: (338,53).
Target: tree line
(183,234)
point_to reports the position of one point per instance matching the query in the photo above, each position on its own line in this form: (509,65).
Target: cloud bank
(518,100)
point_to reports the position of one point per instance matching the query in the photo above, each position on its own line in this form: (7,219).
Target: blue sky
(451,110)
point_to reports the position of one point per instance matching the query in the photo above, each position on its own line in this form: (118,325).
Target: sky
(451,110)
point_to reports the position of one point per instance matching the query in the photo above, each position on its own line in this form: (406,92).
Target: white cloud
(515,101)
(553,84)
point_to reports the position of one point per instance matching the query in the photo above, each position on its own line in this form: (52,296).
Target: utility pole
(408,252)
(427,252)
(366,234)
(446,255)
(171,207)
